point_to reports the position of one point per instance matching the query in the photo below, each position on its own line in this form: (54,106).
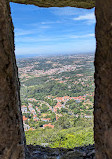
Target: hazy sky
(53,30)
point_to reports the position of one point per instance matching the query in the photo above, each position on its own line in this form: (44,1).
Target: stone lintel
(88,4)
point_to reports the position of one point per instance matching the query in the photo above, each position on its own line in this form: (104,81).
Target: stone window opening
(12,139)
(26,121)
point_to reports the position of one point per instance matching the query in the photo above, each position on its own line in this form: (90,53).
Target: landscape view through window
(55,53)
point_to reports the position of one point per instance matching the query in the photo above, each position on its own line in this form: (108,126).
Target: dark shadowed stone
(73,155)
(103,80)
(59,3)
(86,152)
(12,137)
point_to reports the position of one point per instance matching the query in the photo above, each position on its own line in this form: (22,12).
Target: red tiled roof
(23,106)
(48,125)
(24,118)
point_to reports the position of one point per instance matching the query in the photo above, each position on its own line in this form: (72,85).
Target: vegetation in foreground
(79,135)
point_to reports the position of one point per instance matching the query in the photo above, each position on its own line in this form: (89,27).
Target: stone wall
(103,80)
(12,140)
(59,3)
(11,127)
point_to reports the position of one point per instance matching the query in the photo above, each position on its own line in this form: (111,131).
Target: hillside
(57,99)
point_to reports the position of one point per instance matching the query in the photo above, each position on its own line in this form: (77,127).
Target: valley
(57,98)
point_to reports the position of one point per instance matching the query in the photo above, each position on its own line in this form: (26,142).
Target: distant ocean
(48,55)
(26,56)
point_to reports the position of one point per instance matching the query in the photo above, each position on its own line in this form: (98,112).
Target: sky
(50,31)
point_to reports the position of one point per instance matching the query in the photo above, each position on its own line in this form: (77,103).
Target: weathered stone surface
(103,80)
(12,138)
(11,128)
(39,152)
(59,3)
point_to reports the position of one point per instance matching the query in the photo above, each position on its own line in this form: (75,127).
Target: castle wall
(11,127)
(12,139)
(103,80)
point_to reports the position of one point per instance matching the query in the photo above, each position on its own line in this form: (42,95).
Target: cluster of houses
(32,111)
(27,71)
(61,101)
(64,99)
